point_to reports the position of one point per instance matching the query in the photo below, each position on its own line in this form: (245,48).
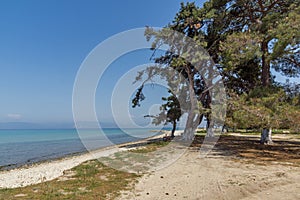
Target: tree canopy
(245,39)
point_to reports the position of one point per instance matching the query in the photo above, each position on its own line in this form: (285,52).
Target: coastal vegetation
(90,180)
(247,41)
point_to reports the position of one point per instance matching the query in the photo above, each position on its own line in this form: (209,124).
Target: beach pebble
(20,195)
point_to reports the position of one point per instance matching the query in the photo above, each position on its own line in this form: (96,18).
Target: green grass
(200,132)
(136,160)
(90,180)
(150,147)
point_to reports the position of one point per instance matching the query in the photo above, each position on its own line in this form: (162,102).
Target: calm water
(19,147)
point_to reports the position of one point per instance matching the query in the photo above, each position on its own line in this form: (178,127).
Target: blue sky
(43,44)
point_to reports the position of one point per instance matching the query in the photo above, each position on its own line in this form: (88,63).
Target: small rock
(20,195)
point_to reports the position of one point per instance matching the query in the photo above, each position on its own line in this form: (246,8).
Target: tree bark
(209,129)
(266,136)
(173,129)
(191,125)
(265,77)
(193,117)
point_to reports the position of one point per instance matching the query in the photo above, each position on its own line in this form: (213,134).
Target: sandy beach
(231,171)
(47,171)
(238,168)
(216,177)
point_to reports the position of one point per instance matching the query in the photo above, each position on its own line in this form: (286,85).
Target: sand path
(218,177)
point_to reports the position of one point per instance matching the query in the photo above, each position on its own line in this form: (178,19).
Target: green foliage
(263,33)
(170,111)
(245,39)
(139,96)
(263,108)
(239,48)
(285,55)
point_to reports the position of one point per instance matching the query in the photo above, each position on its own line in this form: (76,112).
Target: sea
(25,147)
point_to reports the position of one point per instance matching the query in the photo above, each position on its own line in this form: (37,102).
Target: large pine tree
(245,39)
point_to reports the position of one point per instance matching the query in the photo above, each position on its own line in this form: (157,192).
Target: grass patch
(139,159)
(251,133)
(150,147)
(201,131)
(90,180)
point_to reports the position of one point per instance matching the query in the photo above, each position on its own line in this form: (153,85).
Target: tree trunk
(173,129)
(225,129)
(266,136)
(209,129)
(190,127)
(193,117)
(210,120)
(265,77)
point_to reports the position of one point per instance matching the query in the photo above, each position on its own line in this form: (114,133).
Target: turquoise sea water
(20,147)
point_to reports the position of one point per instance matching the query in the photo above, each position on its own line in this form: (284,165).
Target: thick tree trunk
(191,126)
(266,136)
(193,117)
(265,77)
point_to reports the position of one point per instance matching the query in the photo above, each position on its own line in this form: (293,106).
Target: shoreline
(47,170)
(237,168)
(40,160)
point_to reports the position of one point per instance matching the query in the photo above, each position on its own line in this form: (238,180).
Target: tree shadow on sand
(248,148)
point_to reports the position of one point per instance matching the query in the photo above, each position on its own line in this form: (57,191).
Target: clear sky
(43,44)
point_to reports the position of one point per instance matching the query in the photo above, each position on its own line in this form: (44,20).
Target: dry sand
(218,176)
(47,171)
(238,168)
